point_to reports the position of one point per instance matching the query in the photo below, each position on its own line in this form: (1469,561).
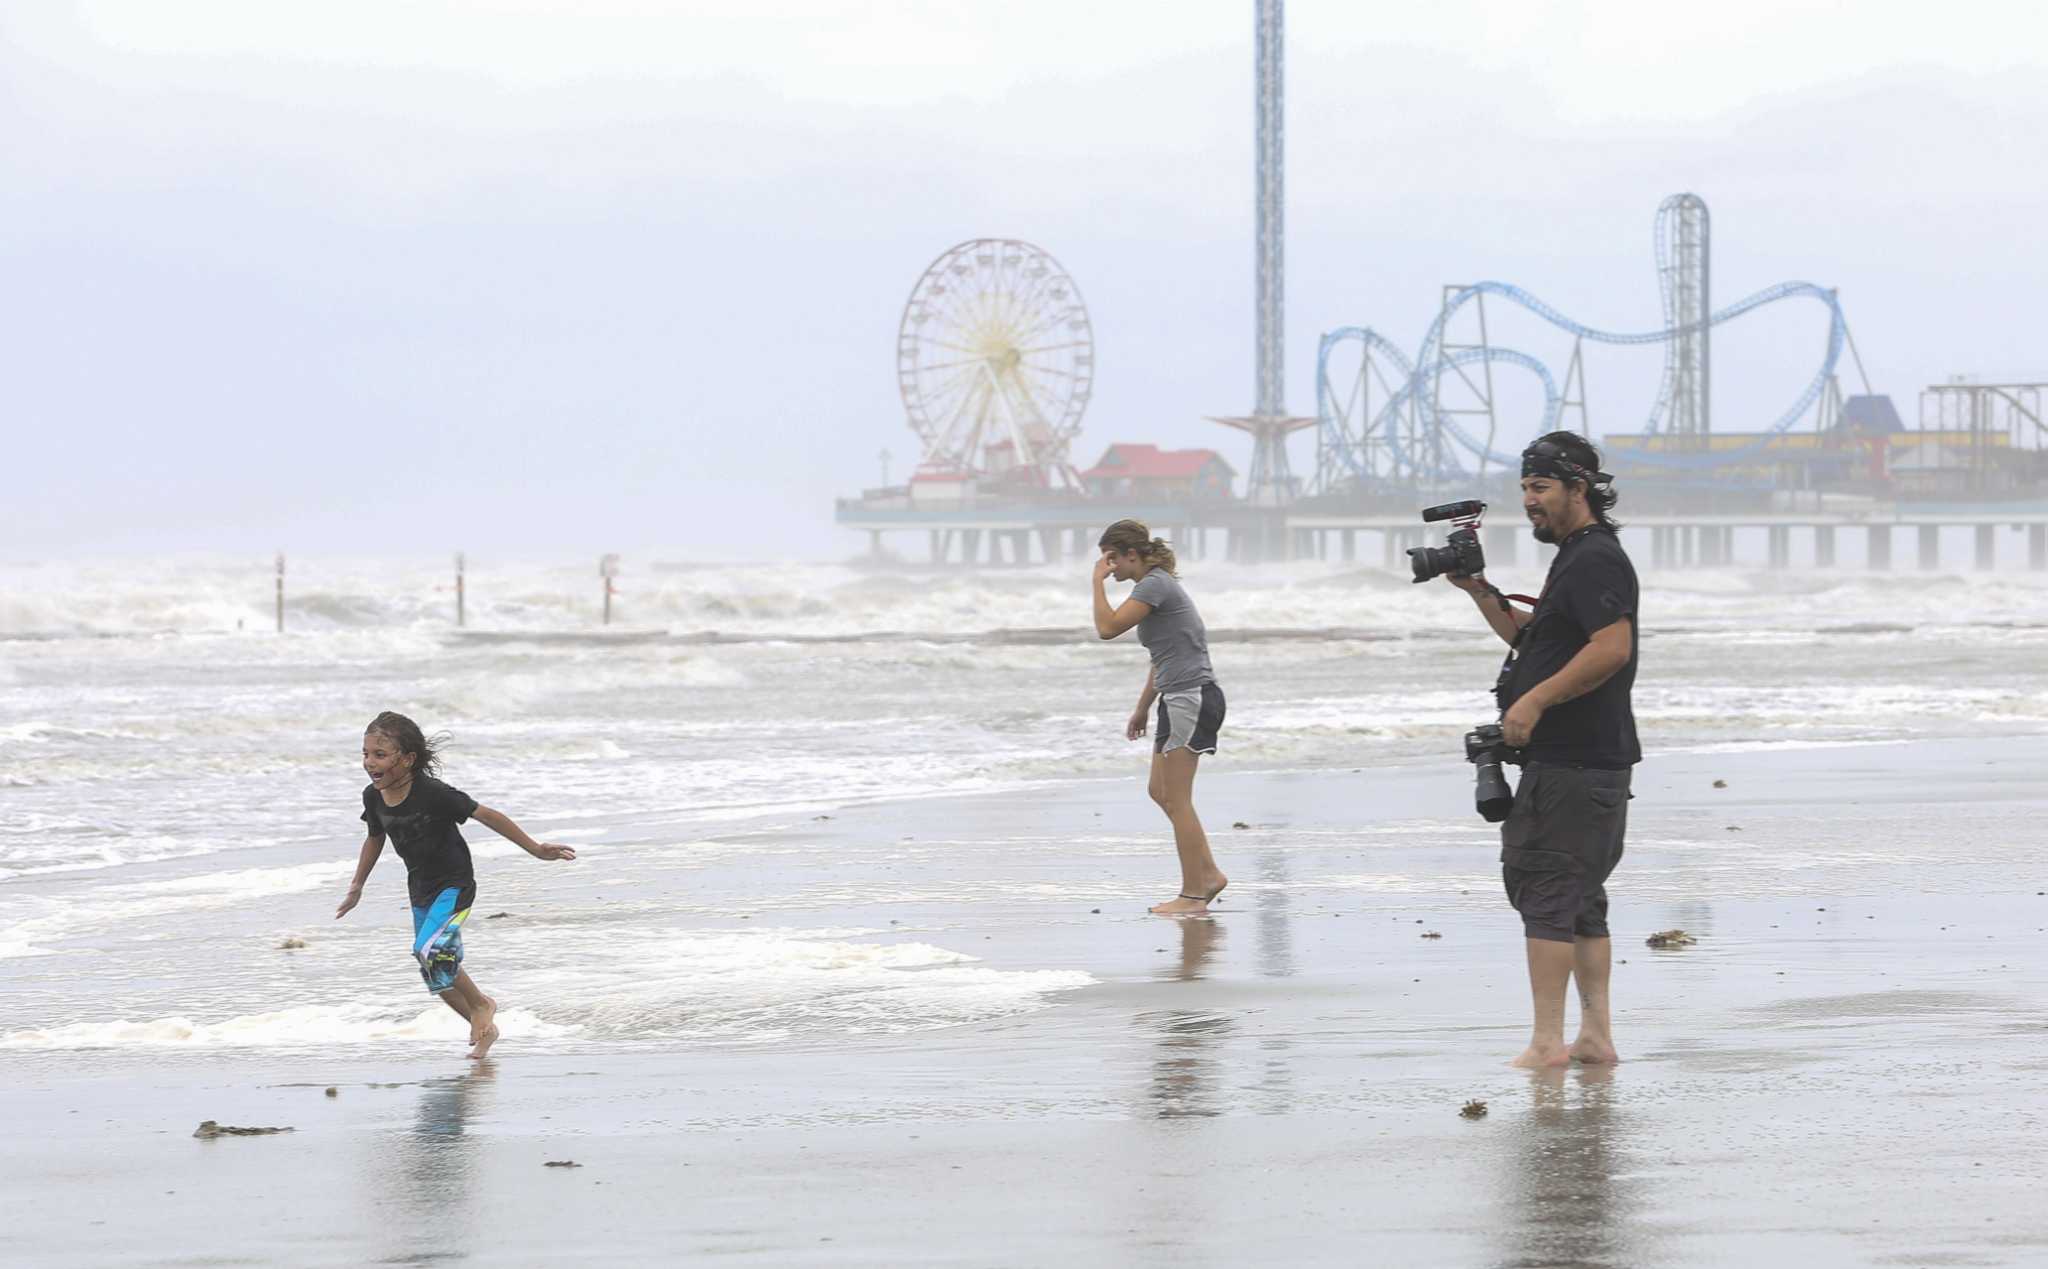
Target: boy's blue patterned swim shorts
(437,937)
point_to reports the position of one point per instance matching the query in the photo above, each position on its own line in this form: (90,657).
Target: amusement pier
(995,361)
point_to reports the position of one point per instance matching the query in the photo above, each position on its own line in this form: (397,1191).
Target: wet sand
(1845,1070)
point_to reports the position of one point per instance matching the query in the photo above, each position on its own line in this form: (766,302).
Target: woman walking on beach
(1180,680)
(419,814)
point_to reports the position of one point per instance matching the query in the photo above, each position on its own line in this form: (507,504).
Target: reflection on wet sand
(1276,930)
(1273,1090)
(1186,1081)
(1564,1203)
(436,1168)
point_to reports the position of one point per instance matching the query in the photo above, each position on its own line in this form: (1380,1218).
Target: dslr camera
(1460,556)
(1485,749)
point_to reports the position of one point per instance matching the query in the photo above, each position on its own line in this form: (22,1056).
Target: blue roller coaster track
(1414,430)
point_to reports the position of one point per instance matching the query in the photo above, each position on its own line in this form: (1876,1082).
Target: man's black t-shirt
(1591,586)
(422,830)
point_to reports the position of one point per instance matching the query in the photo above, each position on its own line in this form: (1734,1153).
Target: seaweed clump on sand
(208,1130)
(1671,939)
(1474,1109)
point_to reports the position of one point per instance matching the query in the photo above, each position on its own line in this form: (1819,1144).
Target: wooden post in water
(608,568)
(280,592)
(459,614)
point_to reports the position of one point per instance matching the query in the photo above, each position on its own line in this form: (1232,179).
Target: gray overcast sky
(397,275)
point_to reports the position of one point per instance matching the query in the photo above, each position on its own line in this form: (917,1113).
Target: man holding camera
(1564,696)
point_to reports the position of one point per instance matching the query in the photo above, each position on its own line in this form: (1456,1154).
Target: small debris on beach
(1431,934)
(1720,784)
(1735,828)
(291,944)
(561,1163)
(1474,1109)
(333,1091)
(1671,938)
(1239,824)
(208,1130)
(497,916)
(821,817)
(1095,911)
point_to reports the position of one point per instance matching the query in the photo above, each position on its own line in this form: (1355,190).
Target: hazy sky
(396,275)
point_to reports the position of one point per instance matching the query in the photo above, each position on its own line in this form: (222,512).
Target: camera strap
(1502,598)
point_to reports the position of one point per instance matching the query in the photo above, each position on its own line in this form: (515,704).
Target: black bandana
(1546,459)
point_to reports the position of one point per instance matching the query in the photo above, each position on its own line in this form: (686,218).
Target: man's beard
(1543,533)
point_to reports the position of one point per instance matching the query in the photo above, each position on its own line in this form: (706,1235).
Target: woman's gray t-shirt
(1173,633)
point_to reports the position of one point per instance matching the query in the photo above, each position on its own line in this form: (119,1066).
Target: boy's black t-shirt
(422,829)
(1591,586)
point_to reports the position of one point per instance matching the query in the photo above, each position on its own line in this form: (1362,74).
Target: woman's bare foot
(1594,1052)
(1188,904)
(1540,1056)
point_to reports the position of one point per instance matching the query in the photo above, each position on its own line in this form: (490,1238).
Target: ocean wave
(537,598)
(772,986)
(303,1026)
(37,926)
(705,986)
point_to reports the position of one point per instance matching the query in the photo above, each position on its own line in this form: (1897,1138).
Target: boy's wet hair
(406,734)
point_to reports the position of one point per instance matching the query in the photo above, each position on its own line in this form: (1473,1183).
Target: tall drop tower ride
(1271,481)
(1684,272)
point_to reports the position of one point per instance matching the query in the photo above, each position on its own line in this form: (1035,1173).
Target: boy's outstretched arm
(373,846)
(501,824)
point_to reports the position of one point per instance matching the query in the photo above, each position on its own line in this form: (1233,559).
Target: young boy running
(419,814)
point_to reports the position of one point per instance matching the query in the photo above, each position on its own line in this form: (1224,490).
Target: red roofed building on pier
(1147,473)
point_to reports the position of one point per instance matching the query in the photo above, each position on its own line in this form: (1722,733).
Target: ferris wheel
(995,358)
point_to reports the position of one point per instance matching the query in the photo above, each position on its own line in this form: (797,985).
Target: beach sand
(1846,1069)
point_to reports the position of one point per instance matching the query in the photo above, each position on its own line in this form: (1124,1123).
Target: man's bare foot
(484,1043)
(1540,1056)
(1594,1052)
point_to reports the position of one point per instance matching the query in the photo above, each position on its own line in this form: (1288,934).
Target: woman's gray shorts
(1558,846)
(1190,718)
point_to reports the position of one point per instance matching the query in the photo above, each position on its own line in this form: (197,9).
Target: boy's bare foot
(1190,901)
(1540,1056)
(484,1043)
(1594,1052)
(481,1017)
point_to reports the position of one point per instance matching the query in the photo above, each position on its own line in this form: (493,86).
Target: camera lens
(1429,561)
(1492,794)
